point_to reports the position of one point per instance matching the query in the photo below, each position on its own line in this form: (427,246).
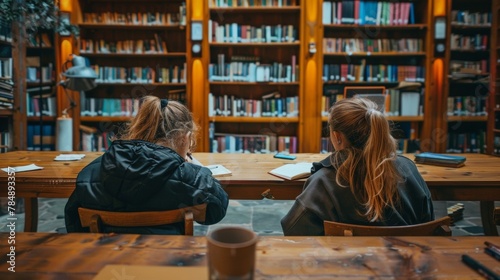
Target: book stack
(456,212)
(6,94)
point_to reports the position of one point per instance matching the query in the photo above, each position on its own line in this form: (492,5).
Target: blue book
(440,159)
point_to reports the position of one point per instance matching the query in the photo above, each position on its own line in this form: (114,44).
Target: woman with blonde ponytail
(363,181)
(148,168)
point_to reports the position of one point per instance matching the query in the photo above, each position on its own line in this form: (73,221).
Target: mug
(231,253)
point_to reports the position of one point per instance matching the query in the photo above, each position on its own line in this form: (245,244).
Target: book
(219,170)
(440,159)
(293,171)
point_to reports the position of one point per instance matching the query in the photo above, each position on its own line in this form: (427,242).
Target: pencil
(480,268)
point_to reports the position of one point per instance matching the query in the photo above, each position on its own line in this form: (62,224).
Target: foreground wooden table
(478,180)
(83,255)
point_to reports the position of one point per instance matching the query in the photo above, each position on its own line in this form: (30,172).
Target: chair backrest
(439,227)
(96,219)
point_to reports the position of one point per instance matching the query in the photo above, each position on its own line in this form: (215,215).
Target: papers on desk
(23,168)
(151,272)
(64,157)
(218,170)
(293,171)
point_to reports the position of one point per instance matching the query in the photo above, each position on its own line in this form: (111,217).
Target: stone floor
(262,216)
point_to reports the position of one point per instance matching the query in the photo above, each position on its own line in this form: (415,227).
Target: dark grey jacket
(140,176)
(323,199)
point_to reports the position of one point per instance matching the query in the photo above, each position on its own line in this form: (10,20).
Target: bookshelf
(136,49)
(379,44)
(6,89)
(41,99)
(467,77)
(493,126)
(254,77)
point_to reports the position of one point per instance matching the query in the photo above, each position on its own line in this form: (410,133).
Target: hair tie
(164,103)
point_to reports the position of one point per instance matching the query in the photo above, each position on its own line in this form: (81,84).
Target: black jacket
(141,176)
(323,199)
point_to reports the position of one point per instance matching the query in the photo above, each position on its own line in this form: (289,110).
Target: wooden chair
(96,219)
(439,227)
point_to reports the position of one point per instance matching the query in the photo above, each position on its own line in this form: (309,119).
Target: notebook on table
(440,159)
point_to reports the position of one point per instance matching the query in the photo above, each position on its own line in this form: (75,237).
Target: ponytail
(366,164)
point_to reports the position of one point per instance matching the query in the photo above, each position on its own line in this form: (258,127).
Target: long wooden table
(478,180)
(83,255)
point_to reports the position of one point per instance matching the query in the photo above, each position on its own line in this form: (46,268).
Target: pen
(190,156)
(480,268)
(492,252)
(213,167)
(491,245)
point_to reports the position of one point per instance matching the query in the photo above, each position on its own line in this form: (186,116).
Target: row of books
(109,107)
(6,94)
(34,74)
(253,143)
(352,45)
(368,12)
(92,140)
(471,67)
(6,67)
(5,32)
(44,105)
(236,33)
(466,142)
(251,3)
(40,40)
(110,74)
(155,45)
(373,73)
(153,18)
(253,72)
(471,105)
(467,17)
(5,141)
(275,106)
(41,137)
(496,143)
(465,42)
(116,107)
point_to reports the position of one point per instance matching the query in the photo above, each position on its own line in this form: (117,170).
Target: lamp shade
(79,77)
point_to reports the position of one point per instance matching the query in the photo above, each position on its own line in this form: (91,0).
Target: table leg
(30,214)
(487,209)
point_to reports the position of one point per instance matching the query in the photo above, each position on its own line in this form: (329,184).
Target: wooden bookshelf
(493,124)
(136,49)
(250,38)
(466,84)
(364,51)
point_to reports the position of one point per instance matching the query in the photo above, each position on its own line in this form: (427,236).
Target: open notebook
(293,171)
(218,170)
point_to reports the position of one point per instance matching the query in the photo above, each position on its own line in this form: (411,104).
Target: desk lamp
(79,77)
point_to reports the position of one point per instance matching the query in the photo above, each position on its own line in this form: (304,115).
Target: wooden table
(83,255)
(478,180)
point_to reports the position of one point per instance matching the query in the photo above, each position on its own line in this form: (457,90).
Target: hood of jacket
(135,170)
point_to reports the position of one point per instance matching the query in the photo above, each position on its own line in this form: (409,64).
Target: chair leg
(188,223)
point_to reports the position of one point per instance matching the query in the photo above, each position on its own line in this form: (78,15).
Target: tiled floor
(262,216)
